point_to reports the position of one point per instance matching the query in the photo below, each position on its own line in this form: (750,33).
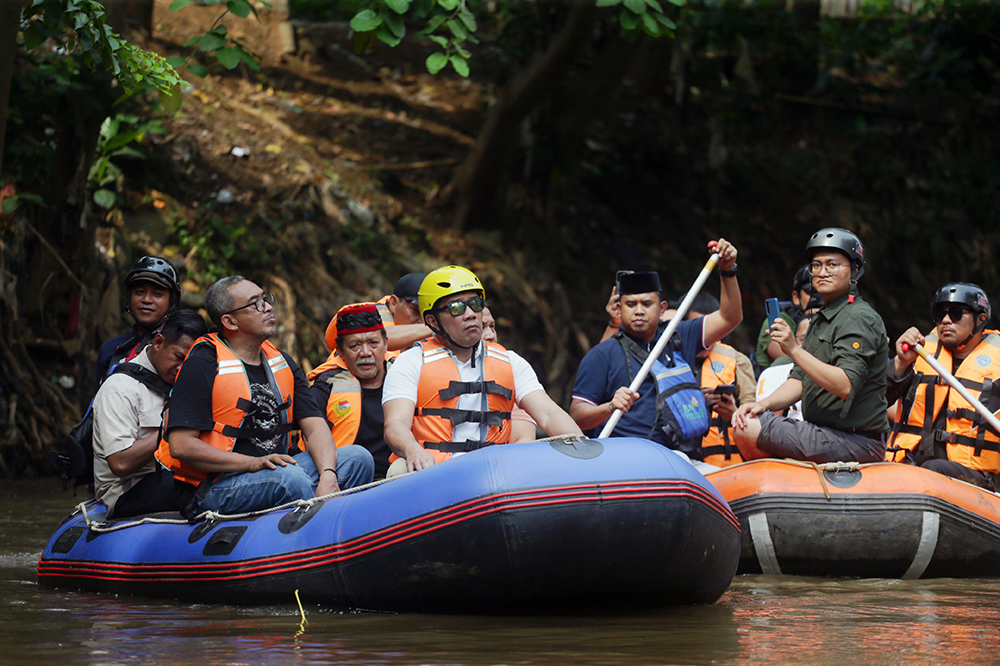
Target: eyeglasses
(457,308)
(817,267)
(257,303)
(954,312)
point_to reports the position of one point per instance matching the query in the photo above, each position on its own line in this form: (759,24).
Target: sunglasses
(258,304)
(954,312)
(457,308)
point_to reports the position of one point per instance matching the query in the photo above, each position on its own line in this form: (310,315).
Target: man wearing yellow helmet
(454,393)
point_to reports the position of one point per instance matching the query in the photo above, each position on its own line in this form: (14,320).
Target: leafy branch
(227,51)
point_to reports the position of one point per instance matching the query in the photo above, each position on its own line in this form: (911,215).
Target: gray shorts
(800,440)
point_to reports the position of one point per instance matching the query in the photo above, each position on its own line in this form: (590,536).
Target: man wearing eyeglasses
(839,373)
(939,430)
(233,407)
(454,393)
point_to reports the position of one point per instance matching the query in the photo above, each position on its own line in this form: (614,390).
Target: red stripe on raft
(619,491)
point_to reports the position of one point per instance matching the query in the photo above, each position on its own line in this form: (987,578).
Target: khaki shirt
(125,410)
(850,336)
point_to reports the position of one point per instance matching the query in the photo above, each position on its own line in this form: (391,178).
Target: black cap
(640,282)
(408,286)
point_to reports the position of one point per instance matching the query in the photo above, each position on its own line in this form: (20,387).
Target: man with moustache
(939,430)
(454,393)
(128,414)
(349,384)
(839,373)
(669,407)
(235,403)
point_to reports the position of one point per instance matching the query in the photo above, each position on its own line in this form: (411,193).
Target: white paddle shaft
(957,385)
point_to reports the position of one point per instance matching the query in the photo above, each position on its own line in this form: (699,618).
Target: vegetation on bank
(754,123)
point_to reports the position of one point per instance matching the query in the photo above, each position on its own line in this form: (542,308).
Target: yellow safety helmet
(444,282)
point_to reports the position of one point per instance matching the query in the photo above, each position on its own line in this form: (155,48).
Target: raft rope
(213,516)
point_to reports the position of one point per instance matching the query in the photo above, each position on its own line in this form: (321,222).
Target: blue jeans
(252,491)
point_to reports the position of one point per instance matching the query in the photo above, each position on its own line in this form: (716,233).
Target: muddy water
(760,620)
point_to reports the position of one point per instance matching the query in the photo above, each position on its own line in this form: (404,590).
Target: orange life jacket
(968,438)
(383,311)
(343,408)
(717,446)
(436,412)
(231,398)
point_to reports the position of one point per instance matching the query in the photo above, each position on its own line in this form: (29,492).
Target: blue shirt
(114,350)
(604,370)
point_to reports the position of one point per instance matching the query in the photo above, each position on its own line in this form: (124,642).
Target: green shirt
(850,336)
(764,339)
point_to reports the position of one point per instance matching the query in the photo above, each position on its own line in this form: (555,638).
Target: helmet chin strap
(451,340)
(975,331)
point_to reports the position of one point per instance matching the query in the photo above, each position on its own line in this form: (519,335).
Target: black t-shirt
(371,429)
(191,401)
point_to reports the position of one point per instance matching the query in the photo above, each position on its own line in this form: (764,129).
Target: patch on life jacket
(856,345)
(342,408)
(983,360)
(718,366)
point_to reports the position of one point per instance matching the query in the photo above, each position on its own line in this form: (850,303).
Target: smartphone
(618,280)
(773,311)
(726,388)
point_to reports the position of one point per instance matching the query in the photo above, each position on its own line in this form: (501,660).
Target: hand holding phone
(726,389)
(772,310)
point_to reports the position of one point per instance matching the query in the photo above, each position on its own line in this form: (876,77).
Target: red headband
(358,318)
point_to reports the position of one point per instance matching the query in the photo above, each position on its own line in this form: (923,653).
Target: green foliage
(117,133)
(452,25)
(79,25)
(218,246)
(216,42)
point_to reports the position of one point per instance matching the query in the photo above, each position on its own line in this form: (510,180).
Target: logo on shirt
(856,345)
(717,366)
(342,408)
(983,360)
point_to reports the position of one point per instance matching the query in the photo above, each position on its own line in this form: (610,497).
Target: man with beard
(938,429)
(234,405)
(668,408)
(349,384)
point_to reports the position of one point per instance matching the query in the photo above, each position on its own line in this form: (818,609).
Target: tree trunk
(10,20)
(479,182)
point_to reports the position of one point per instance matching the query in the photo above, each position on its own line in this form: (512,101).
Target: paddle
(955,384)
(662,342)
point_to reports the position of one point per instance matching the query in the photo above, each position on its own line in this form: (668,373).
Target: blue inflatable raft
(614,524)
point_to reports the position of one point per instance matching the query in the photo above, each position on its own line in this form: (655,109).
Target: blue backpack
(681,414)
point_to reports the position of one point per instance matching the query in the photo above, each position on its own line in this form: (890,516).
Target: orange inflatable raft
(882,520)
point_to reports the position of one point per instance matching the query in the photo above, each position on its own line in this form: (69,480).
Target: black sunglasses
(457,308)
(954,312)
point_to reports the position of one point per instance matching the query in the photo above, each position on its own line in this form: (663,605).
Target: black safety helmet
(803,280)
(842,240)
(158,271)
(967,294)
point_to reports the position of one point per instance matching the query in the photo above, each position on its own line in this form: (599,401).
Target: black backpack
(75,463)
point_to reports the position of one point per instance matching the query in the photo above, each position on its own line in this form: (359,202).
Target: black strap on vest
(239,432)
(456,389)
(725,449)
(457,416)
(458,447)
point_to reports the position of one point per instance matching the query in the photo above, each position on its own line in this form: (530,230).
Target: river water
(760,620)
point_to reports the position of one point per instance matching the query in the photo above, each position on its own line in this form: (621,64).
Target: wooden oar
(955,384)
(662,342)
